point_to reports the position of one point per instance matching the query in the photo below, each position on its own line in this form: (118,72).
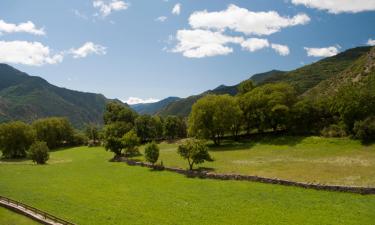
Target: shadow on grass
(248,143)
(18,160)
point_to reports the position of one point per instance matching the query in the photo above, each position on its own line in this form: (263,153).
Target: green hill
(361,74)
(307,77)
(26,98)
(183,106)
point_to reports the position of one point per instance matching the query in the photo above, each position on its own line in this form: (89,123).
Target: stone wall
(210,175)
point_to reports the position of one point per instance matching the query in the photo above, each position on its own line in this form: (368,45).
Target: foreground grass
(8,217)
(80,185)
(306,159)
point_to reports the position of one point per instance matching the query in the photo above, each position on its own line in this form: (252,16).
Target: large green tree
(213,116)
(149,127)
(55,131)
(174,127)
(15,139)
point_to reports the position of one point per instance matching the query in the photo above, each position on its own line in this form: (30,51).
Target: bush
(365,129)
(333,130)
(152,153)
(79,139)
(39,152)
(15,139)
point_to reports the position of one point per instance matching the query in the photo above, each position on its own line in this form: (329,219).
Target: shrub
(39,152)
(79,139)
(15,139)
(152,153)
(365,129)
(194,151)
(333,130)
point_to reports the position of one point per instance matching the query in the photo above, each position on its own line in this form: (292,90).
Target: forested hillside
(27,98)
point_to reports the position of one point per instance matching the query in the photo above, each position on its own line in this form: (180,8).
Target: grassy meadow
(332,161)
(82,186)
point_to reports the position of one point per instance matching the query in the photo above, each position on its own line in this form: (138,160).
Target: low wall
(210,175)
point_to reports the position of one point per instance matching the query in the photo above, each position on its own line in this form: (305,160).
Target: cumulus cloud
(254,44)
(371,42)
(338,6)
(176,9)
(87,49)
(27,27)
(107,7)
(322,52)
(245,21)
(283,50)
(27,53)
(161,19)
(135,100)
(202,43)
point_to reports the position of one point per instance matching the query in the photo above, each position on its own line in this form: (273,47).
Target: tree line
(276,107)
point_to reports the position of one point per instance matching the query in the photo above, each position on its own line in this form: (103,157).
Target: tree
(194,151)
(130,143)
(152,153)
(39,152)
(55,131)
(213,116)
(92,133)
(149,127)
(267,106)
(245,87)
(365,130)
(118,120)
(174,127)
(15,139)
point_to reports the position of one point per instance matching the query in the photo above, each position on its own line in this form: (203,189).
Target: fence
(33,213)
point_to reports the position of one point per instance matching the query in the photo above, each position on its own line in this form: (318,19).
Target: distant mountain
(183,106)
(153,108)
(307,77)
(27,98)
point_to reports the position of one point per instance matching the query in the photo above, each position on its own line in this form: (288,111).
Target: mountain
(27,98)
(302,79)
(361,74)
(153,108)
(183,106)
(307,77)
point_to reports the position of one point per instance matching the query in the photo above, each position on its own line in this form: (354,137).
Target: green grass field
(307,159)
(80,185)
(8,217)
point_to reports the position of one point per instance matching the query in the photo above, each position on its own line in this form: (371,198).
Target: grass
(8,217)
(306,159)
(80,185)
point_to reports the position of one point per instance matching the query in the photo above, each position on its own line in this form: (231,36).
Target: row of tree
(17,137)
(276,107)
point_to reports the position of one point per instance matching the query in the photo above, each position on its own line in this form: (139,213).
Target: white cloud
(78,14)
(161,19)
(135,100)
(339,6)
(254,44)
(283,50)
(176,9)
(27,53)
(371,42)
(322,52)
(107,7)
(203,43)
(86,49)
(27,27)
(245,21)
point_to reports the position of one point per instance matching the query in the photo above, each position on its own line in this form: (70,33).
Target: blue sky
(142,49)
